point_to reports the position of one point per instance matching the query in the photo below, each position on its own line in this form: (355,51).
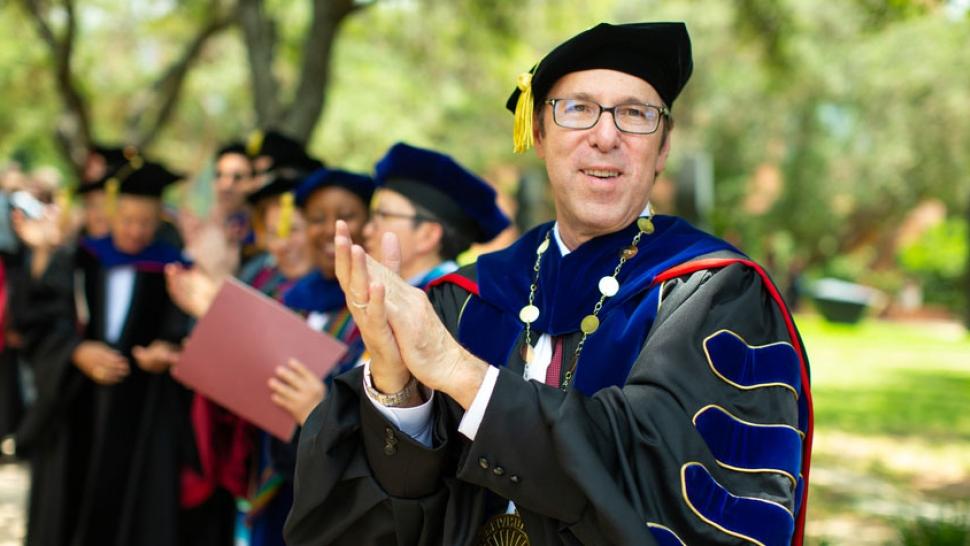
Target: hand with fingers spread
(158,357)
(296,390)
(100,363)
(400,327)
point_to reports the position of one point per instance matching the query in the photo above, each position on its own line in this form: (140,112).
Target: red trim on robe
(454,278)
(715,263)
(223,444)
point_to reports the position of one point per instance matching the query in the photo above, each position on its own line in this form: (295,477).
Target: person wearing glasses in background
(613,377)
(436,207)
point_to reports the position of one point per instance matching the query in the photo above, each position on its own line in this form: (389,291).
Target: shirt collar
(564,250)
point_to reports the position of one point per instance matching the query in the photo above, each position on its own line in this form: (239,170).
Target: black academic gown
(106,459)
(688,420)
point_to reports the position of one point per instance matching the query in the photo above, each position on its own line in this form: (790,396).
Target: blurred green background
(827,138)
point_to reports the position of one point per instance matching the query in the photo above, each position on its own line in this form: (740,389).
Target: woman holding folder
(324,197)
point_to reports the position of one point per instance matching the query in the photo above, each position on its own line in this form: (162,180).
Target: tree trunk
(158,103)
(259,32)
(303,114)
(74,126)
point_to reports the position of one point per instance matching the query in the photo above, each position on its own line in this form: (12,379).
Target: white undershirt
(416,421)
(117,301)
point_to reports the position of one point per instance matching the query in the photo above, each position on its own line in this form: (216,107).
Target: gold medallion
(503,530)
(589,324)
(645,224)
(629,252)
(543,246)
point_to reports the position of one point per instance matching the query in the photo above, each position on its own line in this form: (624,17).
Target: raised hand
(296,390)
(100,363)
(402,324)
(191,290)
(41,233)
(208,245)
(365,300)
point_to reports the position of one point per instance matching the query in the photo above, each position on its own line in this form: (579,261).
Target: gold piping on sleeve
(668,529)
(791,478)
(461,312)
(660,296)
(683,491)
(714,369)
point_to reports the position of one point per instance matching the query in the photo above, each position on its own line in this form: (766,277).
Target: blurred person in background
(434,206)
(106,462)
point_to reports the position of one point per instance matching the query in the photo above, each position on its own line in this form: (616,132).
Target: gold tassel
(254,144)
(111,189)
(285,224)
(63,199)
(522,129)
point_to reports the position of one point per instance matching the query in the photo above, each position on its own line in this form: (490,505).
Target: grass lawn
(892,429)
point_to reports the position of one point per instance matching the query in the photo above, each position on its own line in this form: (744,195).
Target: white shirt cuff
(415,421)
(473,417)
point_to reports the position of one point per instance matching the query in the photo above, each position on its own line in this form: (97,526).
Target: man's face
(95,167)
(234,176)
(601,178)
(96,222)
(322,210)
(135,222)
(391,212)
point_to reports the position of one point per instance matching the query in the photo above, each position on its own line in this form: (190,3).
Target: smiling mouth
(603,174)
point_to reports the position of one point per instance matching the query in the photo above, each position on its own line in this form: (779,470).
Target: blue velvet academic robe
(688,421)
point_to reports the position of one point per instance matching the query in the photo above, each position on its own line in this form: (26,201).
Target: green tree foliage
(861,107)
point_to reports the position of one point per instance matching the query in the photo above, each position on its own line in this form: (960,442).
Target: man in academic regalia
(613,377)
(105,466)
(436,207)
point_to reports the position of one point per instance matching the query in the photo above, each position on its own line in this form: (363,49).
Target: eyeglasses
(641,119)
(383,215)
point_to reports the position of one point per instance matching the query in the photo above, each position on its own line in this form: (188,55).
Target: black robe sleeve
(45,316)
(637,464)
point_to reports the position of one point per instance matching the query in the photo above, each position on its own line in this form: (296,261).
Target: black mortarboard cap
(115,156)
(116,159)
(658,53)
(148,180)
(440,185)
(359,184)
(232,148)
(282,149)
(281,181)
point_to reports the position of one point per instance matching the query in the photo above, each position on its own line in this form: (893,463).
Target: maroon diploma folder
(236,347)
